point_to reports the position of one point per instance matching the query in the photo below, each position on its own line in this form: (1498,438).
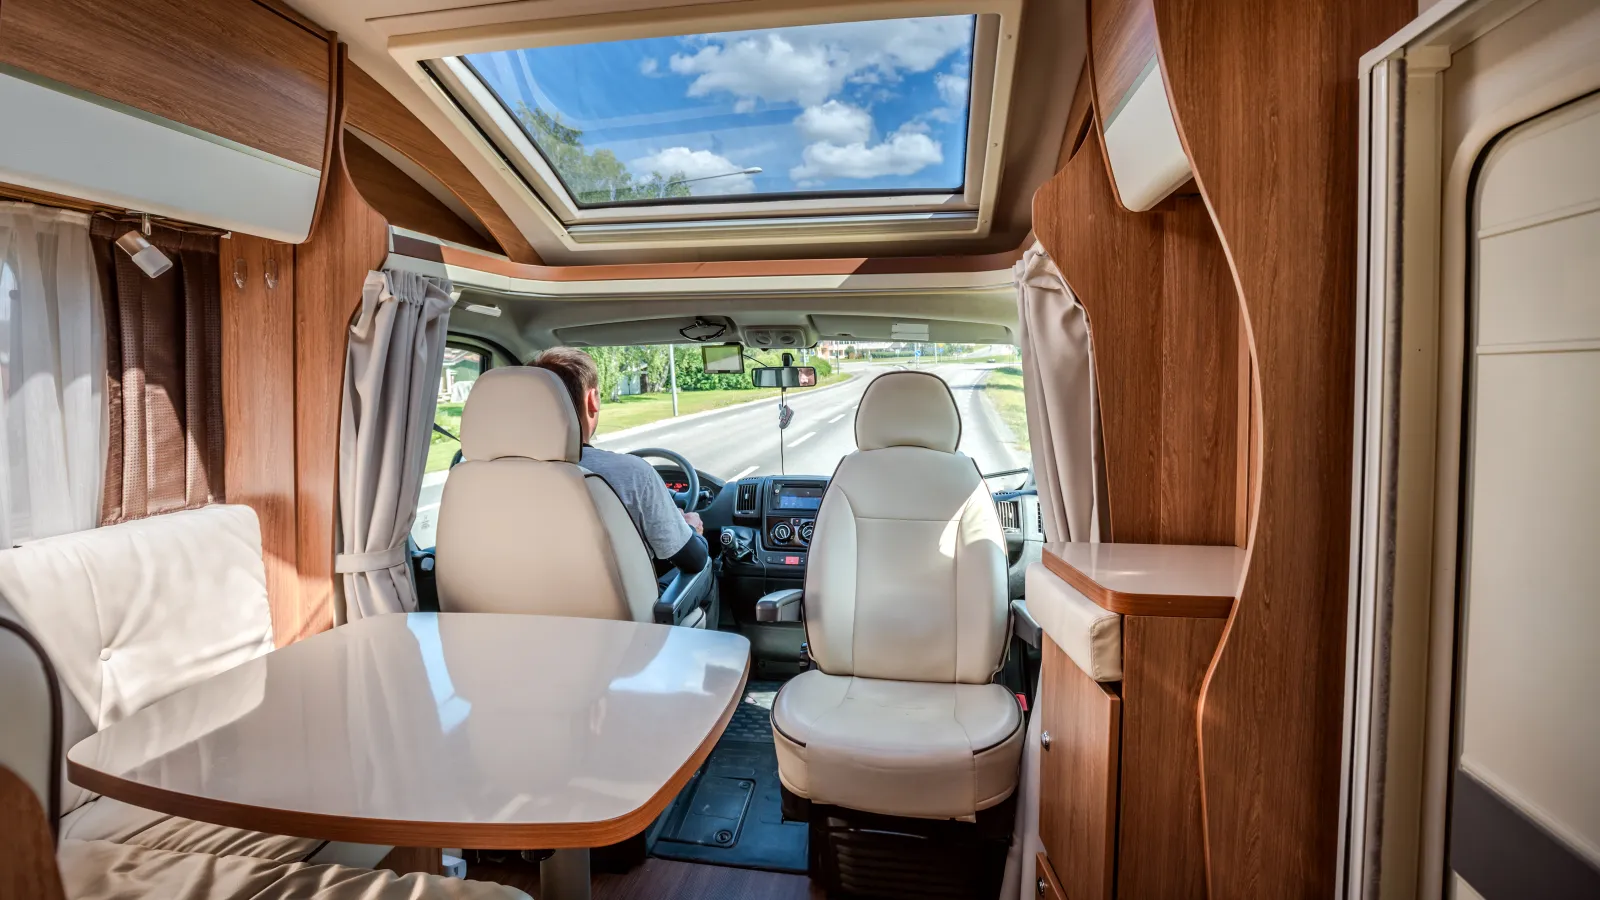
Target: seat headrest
(520,411)
(908,409)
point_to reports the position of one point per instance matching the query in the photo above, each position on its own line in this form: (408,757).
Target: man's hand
(694,522)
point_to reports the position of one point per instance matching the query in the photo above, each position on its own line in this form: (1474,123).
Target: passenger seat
(906,618)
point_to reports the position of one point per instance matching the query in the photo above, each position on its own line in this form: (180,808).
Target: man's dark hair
(577,371)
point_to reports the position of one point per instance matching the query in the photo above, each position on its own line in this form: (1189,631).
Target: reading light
(146,256)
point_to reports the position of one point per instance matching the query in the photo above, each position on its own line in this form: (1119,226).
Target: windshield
(729,429)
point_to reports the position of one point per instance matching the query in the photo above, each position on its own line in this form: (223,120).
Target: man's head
(577,371)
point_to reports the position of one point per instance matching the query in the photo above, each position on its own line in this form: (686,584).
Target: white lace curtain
(52,375)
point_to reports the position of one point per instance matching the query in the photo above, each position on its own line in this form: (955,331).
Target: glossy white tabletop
(1156,569)
(470,730)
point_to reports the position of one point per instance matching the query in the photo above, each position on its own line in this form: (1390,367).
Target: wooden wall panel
(258,411)
(28,866)
(1161,833)
(403,202)
(373,110)
(230,68)
(349,240)
(1162,313)
(1078,775)
(1265,97)
(1122,41)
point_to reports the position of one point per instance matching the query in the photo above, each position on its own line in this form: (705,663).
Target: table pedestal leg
(565,875)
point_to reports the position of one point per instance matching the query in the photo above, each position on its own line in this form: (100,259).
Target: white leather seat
(906,617)
(524,529)
(131,613)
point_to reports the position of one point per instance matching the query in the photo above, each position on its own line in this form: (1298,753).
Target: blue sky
(837,107)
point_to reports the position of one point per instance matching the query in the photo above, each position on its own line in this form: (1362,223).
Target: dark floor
(665,879)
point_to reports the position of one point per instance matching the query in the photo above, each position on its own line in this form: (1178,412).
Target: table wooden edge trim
(1188,606)
(404,833)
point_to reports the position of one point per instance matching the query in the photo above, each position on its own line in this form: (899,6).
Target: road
(744,441)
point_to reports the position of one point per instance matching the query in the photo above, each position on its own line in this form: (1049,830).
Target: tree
(597,177)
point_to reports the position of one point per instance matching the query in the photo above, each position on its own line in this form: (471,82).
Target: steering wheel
(691,495)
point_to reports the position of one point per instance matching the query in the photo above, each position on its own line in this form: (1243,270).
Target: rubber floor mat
(730,813)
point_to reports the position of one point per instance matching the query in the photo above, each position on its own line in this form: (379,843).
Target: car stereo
(795,497)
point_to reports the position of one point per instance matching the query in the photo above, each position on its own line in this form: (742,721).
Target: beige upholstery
(908,409)
(101,870)
(902,748)
(131,613)
(29,707)
(1090,634)
(523,529)
(906,614)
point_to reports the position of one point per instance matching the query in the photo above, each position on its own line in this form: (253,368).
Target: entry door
(1525,799)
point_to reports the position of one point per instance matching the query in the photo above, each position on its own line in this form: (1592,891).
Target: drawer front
(1080,729)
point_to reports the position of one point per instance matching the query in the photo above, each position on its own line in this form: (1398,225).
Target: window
(838,109)
(462,366)
(730,430)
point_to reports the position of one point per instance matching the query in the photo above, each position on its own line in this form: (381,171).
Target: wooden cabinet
(1048,886)
(1080,730)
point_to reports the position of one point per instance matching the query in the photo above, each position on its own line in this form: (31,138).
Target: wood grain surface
(231,68)
(371,109)
(1122,41)
(1078,774)
(258,410)
(1163,321)
(1264,94)
(403,202)
(1160,833)
(349,240)
(28,865)
(1203,606)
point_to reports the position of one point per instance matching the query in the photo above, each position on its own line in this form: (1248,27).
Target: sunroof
(842,109)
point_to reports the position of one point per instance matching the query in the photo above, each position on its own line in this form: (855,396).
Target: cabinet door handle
(1042,887)
(1044,740)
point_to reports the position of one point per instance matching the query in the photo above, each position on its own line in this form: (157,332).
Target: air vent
(748,500)
(1010,514)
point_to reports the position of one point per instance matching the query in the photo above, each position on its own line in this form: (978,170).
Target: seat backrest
(131,613)
(907,573)
(30,707)
(524,529)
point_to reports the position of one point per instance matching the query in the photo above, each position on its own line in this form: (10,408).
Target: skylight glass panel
(840,109)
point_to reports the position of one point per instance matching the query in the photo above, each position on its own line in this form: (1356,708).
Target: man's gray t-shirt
(646,498)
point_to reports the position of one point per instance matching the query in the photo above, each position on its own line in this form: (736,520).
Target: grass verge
(1003,390)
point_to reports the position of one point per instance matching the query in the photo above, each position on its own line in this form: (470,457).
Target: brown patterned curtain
(164,373)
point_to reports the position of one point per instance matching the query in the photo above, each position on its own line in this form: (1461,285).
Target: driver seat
(524,529)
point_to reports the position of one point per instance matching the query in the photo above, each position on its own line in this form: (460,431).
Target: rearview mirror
(722,359)
(784,377)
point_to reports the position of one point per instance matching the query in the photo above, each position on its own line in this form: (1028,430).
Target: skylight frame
(433,59)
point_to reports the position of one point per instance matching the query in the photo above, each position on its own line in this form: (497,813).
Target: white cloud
(695,164)
(906,151)
(836,123)
(953,89)
(649,65)
(806,65)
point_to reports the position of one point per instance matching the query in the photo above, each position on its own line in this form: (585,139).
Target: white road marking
(802,439)
(744,473)
(836,418)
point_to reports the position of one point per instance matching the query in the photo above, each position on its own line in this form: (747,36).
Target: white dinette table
(465,730)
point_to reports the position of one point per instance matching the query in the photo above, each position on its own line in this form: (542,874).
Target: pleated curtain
(391,384)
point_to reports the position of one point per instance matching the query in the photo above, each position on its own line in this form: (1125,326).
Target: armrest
(1023,624)
(683,594)
(780,606)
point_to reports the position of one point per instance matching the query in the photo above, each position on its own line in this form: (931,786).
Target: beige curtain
(391,382)
(1063,427)
(1063,409)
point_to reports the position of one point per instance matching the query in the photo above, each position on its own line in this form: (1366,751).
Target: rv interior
(1074,449)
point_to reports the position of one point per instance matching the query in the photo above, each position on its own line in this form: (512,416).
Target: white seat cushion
(106,819)
(101,870)
(901,748)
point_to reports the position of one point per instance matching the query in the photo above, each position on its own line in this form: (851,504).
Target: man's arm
(671,537)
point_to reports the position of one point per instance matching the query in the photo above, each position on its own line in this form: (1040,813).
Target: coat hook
(271,273)
(241,271)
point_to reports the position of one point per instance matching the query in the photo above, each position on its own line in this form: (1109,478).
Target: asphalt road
(744,441)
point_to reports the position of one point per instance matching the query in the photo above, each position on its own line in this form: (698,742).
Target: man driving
(671,535)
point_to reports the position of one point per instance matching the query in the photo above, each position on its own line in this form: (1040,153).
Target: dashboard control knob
(781,532)
(805,533)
